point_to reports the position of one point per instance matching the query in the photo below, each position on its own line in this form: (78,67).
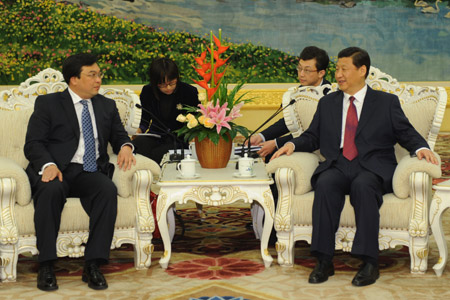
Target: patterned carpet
(219,258)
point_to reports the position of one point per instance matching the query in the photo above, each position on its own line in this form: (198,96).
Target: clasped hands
(125,159)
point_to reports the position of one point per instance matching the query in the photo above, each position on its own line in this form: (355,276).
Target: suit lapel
(337,113)
(367,110)
(69,110)
(97,105)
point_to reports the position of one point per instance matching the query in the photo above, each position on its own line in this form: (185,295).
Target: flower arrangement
(213,117)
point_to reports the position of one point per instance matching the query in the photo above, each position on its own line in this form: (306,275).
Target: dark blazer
(185,94)
(53,131)
(381,125)
(278,129)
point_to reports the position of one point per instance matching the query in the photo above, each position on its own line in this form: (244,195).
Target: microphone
(175,156)
(279,110)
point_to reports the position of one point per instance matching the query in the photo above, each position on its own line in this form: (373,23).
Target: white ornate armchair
(404,213)
(134,224)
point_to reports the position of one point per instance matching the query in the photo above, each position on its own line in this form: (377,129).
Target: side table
(440,202)
(215,187)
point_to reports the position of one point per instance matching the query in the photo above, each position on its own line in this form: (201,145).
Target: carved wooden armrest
(123,179)
(303,165)
(11,170)
(405,169)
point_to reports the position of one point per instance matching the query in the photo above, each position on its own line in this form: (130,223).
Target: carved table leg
(440,202)
(162,206)
(268,206)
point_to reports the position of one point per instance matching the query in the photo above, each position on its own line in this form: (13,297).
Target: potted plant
(211,124)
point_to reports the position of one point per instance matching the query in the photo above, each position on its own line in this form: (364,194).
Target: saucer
(196,175)
(236,174)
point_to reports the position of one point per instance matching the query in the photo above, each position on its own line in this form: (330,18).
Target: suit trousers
(366,196)
(98,196)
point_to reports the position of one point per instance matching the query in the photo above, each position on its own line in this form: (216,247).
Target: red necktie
(351,123)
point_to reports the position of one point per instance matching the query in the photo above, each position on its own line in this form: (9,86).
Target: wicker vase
(211,156)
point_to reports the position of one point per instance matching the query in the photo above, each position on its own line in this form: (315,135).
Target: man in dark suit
(355,129)
(66,144)
(312,68)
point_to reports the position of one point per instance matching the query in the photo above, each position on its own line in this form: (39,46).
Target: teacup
(186,167)
(246,166)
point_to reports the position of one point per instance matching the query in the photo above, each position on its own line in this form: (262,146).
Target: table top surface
(224,176)
(444,185)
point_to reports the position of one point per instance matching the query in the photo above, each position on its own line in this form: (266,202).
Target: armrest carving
(420,183)
(8,227)
(142,181)
(285,180)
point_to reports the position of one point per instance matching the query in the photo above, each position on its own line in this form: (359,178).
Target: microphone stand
(175,156)
(279,110)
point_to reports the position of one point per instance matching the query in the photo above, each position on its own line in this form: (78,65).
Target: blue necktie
(89,161)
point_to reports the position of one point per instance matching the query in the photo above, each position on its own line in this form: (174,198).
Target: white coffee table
(440,203)
(215,187)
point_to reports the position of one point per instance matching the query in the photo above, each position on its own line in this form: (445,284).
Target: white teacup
(246,166)
(186,167)
(193,151)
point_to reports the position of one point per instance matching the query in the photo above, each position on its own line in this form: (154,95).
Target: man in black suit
(66,144)
(355,129)
(312,68)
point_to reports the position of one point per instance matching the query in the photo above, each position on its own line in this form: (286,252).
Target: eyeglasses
(94,75)
(167,85)
(306,71)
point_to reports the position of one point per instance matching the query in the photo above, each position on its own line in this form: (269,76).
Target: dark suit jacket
(185,94)
(53,131)
(381,125)
(278,129)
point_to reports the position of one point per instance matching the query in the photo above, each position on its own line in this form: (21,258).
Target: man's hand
(428,155)
(267,148)
(50,173)
(255,140)
(125,158)
(287,149)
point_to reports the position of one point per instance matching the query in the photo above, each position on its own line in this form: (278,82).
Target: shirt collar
(75,97)
(359,95)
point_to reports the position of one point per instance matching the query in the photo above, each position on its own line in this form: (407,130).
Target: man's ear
(363,70)
(322,73)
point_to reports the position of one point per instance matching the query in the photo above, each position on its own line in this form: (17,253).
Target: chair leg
(8,262)
(418,251)
(143,250)
(285,248)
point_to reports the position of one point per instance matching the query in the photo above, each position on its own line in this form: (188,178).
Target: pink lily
(235,111)
(221,120)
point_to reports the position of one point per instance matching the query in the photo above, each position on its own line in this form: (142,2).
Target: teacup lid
(188,158)
(245,157)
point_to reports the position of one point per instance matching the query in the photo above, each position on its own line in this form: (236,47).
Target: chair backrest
(18,104)
(424,106)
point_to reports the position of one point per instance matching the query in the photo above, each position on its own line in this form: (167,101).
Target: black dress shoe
(321,272)
(94,277)
(367,274)
(46,280)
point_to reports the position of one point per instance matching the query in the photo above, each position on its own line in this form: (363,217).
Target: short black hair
(359,56)
(73,64)
(320,55)
(161,69)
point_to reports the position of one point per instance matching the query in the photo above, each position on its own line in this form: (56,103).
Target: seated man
(355,129)
(66,144)
(312,68)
